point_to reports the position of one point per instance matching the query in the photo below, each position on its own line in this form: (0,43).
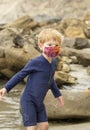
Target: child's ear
(40,46)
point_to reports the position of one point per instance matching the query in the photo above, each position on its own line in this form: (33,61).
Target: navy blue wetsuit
(40,78)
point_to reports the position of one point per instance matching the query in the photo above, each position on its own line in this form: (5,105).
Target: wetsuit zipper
(50,78)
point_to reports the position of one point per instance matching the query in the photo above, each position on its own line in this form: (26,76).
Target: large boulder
(15,59)
(77,105)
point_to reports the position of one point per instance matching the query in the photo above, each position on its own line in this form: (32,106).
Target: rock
(83,56)
(81,43)
(68,42)
(66,68)
(77,43)
(7,72)
(74,32)
(18,41)
(17,57)
(66,59)
(66,51)
(19,23)
(72,28)
(63,64)
(64,78)
(63,67)
(32,52)
(74,59)
(6,38)
(29,27)
(71,22)
(77,105)
(22,25)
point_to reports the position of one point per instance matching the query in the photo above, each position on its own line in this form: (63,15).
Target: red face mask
(52,51)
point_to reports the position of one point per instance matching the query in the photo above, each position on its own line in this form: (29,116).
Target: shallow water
(10,117)
(83,79)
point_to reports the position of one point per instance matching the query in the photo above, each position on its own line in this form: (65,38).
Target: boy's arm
(19,76)
(55,89)
(56,92)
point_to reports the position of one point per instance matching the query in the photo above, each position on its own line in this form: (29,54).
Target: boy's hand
(3,91)
(60,101)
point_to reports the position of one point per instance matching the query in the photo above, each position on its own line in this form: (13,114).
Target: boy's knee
(47,125)
(43,126)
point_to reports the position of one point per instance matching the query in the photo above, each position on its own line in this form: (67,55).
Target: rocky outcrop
(17,48)
(18,42)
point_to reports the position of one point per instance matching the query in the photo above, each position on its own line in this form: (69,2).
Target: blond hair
(48,35)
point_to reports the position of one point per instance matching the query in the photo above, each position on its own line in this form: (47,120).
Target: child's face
(50,48)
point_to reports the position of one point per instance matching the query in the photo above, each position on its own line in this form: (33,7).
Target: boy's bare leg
(43,125)
(31,128)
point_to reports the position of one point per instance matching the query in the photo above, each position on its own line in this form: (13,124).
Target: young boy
(40,73)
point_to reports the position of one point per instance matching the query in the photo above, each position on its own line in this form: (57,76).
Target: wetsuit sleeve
(55,90)
(19,76)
